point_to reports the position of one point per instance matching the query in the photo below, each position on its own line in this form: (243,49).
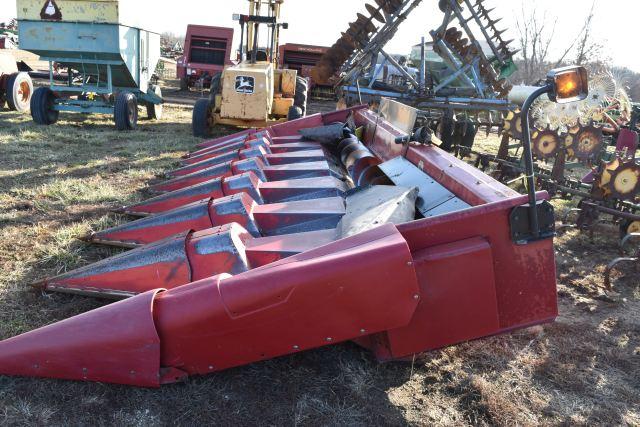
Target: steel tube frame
(528,159)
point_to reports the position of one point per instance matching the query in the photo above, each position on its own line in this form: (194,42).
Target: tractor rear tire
(184,84)
(216,87)
(125,112)
(200,119)
(302,95)
(19,92)
(295,113)
(446,133)
(42,110)
(154,111)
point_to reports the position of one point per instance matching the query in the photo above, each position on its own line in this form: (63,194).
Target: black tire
(19,92)
(154,111)
(447,128)
(200,119)
(184,84)
(302,94)
(295,113)
(470,133)
(216,87)
(42,110)
(125,112)
(628,226)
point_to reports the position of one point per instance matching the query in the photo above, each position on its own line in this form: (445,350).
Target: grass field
(59,182)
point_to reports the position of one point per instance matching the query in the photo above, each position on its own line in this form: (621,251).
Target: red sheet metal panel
(218,250)
(162,264)
(247,183)
(219,171)
(304,188)
(300,216)
(295,157)
(296,171)
(117,343)
(211,189)
(525,275)
(205,164)
(266,250)
(209,153)
(194,216)
(458,298)
(462,179)
(292,147)
(228,139)
(237,208)
(356,286)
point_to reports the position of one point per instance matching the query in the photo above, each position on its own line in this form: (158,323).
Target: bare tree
(536,37)
(588,50)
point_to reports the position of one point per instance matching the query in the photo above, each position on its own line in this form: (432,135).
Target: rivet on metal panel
(410,263)
(329,339)
(416,297)
(211,367)
(295,347)
(362,331)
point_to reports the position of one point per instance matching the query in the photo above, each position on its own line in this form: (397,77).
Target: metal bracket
(521,232)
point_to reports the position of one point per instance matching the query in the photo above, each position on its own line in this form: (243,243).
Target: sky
(320,22)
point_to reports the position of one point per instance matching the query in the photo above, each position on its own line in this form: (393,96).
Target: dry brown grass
(61,181)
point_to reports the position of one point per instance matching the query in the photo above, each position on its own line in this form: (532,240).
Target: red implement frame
(397,290)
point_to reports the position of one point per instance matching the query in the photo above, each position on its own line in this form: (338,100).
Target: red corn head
(345,290)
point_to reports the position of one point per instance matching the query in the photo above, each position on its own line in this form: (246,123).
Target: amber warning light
(568,84)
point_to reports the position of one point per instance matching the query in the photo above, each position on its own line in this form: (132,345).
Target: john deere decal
(245,84)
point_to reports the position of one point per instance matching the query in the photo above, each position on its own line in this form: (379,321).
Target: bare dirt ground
(59,182)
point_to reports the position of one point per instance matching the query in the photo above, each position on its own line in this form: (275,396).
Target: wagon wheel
(154,111)
(42,104)
(125,112)
(19,91)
